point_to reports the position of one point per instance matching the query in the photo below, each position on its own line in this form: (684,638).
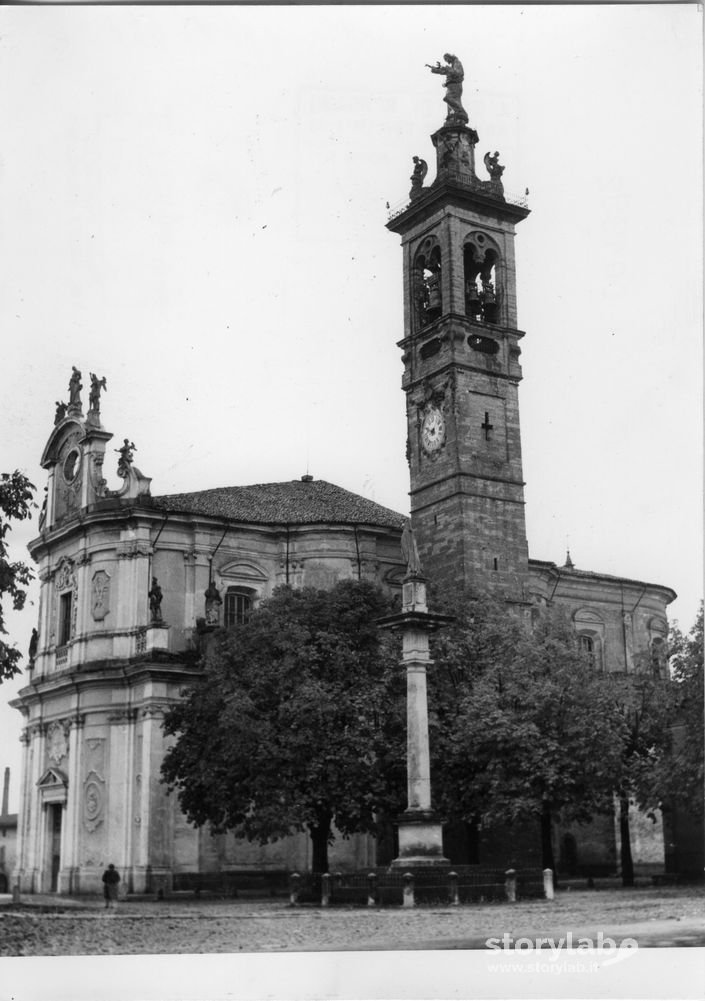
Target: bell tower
(461,362)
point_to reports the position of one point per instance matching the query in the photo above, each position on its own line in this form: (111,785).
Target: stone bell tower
(461,362)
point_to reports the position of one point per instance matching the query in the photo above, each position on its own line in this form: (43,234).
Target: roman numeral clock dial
(433,430)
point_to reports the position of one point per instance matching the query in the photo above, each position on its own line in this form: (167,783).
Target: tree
(642,702)
(681,775)
(297,723)
(16,503)
(662,753)
(523,727)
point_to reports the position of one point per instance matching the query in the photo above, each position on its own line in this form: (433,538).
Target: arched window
(481,290)
(428,303)
(238,605)
(591,647)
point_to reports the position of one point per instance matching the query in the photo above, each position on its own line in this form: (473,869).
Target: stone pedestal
(420,841)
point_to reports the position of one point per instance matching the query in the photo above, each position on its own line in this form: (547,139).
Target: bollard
(548,884)
(294,888)
(372,889)
(16,893)
(408,890)
(510,885)
(325,889)
(454,895)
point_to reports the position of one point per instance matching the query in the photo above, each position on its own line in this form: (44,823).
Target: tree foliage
(16,503)
(524,728)
(679,777)
(297,723)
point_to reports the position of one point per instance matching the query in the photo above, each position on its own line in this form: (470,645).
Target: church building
(132,581)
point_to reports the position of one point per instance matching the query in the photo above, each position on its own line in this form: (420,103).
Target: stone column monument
(420,830)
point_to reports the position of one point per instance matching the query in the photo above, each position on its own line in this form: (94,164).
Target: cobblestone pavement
(654,917)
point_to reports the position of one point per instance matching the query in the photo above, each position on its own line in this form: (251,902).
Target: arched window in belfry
(427,296)
(481,260)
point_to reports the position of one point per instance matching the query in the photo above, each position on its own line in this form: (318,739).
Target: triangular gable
(53,777)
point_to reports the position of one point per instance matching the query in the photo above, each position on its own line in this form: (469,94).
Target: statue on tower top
(454,74)
(75,387)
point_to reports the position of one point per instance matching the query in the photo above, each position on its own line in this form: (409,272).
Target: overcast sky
(193,205)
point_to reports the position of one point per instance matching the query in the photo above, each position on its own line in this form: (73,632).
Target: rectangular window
(65,610)
(237,608)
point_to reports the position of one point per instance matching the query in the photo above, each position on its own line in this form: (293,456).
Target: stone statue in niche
(61,409)
(127,455)
(94,396)
(213,603)
(155,600)
(494,167)
(75,387)
(417,177)
(454,74)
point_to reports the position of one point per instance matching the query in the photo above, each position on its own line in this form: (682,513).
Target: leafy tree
(681,775)
(523,727)
(662,751)
(297,723)
(16,503)
(673,774)
(642,702)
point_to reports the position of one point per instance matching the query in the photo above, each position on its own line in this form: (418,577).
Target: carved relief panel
(93,793)
(100,595)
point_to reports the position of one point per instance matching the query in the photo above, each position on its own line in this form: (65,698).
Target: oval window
(71,465)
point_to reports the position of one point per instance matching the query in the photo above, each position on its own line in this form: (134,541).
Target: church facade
(132,582)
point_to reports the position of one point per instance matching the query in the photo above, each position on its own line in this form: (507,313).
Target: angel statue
(494,167)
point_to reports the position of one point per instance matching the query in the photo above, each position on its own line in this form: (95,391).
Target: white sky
(193,205)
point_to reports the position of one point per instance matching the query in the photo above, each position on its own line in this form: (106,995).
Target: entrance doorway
(55,817)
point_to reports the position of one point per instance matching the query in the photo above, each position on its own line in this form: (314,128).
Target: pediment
(69,428)
(242,570)
(53,777)
(587,615)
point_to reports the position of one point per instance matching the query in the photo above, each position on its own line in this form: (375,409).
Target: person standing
(111,878)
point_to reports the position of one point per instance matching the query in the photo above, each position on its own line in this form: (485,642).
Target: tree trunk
(547,861)
(320,834)
(625,846)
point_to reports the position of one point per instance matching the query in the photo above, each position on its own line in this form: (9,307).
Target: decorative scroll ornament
(57,744)
(65,575)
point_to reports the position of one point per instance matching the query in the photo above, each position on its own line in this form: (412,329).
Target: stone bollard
(372,889)
(548,884)
(454,895)
(325,889)
(294,888)
(510,885)
(408,890)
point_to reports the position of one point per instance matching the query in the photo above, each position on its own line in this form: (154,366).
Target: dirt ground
(654,917)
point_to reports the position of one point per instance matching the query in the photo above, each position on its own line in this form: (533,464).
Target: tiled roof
(301,502)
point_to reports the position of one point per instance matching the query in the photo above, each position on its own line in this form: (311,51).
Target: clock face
(433,430)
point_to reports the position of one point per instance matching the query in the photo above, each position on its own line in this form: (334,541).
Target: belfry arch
(427,294)
(481,266)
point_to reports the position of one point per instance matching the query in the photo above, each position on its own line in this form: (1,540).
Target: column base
(420,841)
